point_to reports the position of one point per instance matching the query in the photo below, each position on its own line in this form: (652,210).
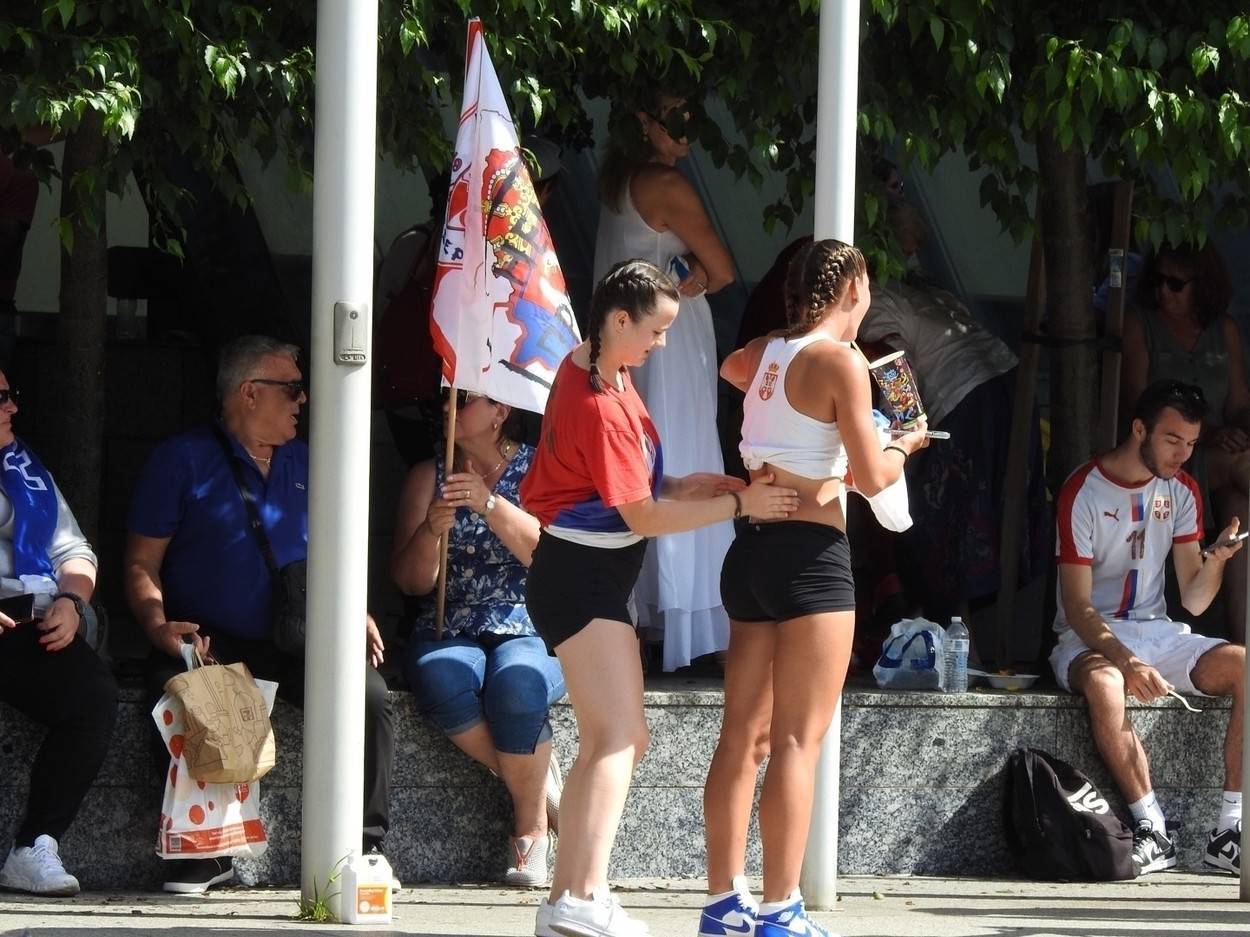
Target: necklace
(505,452)
(259,459)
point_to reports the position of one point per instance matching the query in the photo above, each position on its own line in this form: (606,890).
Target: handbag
(201,819)
(911,657)
(227,735)
(290,582)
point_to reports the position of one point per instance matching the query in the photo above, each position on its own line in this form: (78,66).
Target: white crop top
(776,433)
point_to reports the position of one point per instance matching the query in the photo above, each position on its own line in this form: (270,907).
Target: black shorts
(570,583)
(784,570)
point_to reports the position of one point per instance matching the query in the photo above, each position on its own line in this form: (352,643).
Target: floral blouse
(485,582)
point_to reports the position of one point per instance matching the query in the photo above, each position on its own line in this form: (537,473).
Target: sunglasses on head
(8,394)
(293,388)
(1175,284)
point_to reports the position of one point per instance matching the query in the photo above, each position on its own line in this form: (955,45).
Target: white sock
(772,907)
(740,887)
(1148,809)
(1230,810)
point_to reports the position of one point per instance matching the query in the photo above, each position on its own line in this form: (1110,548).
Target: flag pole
(449,457)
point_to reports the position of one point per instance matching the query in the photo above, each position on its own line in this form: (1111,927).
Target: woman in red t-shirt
(598,489)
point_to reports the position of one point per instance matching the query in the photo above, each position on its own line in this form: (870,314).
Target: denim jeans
(507,680)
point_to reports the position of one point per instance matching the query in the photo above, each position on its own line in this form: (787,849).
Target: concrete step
(921,787)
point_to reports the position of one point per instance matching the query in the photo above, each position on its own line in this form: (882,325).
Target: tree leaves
(937,76)
(1152,97)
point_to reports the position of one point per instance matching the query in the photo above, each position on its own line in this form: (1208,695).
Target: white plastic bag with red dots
(202,820)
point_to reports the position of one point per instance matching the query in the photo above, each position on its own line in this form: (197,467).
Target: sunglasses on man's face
(1175,284)
(293,389)
(8,395)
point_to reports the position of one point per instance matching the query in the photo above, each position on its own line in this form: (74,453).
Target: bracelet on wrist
(899,449)
(737,503)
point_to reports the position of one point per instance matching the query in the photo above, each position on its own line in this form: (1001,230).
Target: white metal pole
(836,115)
(338,546)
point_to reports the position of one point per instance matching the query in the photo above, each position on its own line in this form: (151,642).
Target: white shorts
(1167,646)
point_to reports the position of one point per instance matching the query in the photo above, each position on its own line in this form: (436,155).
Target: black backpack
(1059,827)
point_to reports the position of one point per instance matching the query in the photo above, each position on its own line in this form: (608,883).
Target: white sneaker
(37,869)
(542,922)
(529,865)
(600,915)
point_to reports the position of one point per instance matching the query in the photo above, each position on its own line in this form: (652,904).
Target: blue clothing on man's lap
(213,573)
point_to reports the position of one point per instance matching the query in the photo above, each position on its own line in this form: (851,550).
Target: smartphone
(678,268)
(20,608)
(1230,542)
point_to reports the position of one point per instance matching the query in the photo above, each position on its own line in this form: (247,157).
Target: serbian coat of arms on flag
(501,318)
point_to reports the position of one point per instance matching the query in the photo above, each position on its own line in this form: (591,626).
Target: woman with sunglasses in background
(650,211)
(487,682)
(1181,330)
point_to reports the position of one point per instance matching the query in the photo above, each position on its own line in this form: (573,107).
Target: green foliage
(316,910)
(166,76)
(1157,98)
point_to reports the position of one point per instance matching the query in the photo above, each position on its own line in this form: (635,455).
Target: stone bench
(921,786)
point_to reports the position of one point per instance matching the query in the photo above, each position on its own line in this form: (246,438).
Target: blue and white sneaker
(790,921)
(731,916)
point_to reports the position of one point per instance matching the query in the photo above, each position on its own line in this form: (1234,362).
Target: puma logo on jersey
(1114,515)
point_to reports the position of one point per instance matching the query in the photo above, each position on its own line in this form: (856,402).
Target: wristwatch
(79,605)
(490,504)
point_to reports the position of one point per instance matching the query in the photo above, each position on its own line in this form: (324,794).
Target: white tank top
(776,433)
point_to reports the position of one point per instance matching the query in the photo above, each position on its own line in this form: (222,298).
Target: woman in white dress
(650,211)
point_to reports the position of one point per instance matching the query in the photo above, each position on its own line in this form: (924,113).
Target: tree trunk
(1070,310)
(79,396)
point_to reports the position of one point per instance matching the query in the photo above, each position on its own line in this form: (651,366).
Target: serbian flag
(501,318)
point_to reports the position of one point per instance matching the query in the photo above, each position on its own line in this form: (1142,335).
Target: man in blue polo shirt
(194,568)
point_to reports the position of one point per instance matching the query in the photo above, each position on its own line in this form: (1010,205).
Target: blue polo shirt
(213,573)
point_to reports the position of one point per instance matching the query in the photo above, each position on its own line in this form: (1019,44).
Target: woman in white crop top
(787,585)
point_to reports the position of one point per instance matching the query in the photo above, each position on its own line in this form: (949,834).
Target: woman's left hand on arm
(695,283)
(466,489)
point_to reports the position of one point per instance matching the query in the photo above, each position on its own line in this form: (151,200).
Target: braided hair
(633,285)
(819,275)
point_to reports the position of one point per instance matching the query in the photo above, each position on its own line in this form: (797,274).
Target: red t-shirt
(597,450)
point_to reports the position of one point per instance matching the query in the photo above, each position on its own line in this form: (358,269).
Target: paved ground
(1159,906)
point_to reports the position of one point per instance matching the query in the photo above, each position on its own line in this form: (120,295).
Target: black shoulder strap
(249,501)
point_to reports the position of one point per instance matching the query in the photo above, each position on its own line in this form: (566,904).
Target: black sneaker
(1152,850)
(1224,850)
(196,876)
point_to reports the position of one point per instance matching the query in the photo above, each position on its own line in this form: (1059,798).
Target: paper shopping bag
(228,735)
(201,820)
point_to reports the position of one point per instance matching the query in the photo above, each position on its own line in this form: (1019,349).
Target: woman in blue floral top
(489,682)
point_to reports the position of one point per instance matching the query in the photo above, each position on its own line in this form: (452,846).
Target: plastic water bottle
(955,656)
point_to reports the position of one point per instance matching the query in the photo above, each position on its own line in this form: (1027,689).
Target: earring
(494,426)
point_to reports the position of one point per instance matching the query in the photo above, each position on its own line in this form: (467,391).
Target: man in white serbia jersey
(1118,517)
